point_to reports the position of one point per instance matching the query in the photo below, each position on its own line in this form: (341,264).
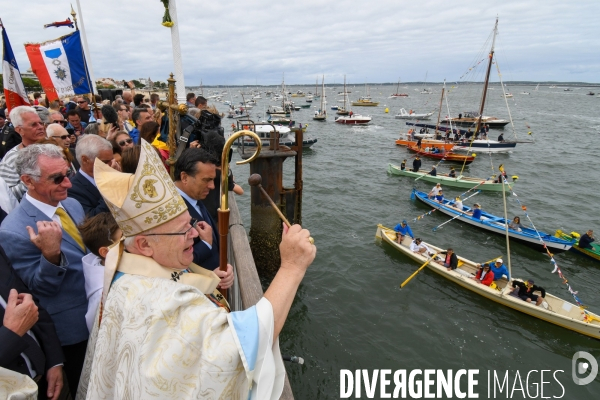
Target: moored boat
(555,310)
(365,102)
(594,252)
(485,146)
(427,143)
(354,119)
(470,118)
(446,156)
(463,182)
(492,223)
(403,114)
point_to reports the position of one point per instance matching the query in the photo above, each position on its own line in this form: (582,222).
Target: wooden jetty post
(266,226)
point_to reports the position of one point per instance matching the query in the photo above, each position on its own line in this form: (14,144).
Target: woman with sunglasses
(124,140)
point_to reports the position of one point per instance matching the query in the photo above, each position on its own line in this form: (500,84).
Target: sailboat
(486,145)
(425,90)
(398,94)
(343,110)
(366,101)
(321,115)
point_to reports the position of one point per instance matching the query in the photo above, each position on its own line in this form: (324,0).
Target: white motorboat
(354,119)
(403,114)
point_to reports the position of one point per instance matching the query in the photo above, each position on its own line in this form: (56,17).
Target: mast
(345,94)
(398,87)
(440,111)
(322,95)
(505,220)
(487,79)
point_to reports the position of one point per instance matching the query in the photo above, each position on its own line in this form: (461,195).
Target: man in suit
(46,248)
(29,342)
(84,190)
(195,171)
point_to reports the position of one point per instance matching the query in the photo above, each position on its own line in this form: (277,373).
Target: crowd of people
(84,203)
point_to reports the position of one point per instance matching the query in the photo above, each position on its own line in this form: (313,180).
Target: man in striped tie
(195,171)
(41,240)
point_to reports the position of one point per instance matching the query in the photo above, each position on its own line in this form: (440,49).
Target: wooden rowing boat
(447,156)
(426,143)
(558,312)
(463,182)
(492,223)
(594,252)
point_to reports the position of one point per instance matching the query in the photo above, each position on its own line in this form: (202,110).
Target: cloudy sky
(257,41)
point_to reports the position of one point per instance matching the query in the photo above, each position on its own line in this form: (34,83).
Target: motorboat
(403,114)
(354,119)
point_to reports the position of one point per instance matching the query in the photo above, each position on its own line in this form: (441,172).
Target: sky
(258,42)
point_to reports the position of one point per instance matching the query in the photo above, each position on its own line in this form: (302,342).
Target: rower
(402,229)
(451,260)
(419,247)
(416,164)
(433,171)
(439,197)
(435,190)
(476,211)
(403,165)
(458,204)
(452,173)
(585,241)
(524,291)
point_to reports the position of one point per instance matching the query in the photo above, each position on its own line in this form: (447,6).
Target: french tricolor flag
(60,66)
(14,90)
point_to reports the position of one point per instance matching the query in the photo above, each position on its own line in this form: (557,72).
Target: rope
(588,318)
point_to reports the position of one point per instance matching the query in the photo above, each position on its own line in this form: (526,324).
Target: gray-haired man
(90,147)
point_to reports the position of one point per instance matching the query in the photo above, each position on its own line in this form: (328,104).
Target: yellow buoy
(515,177)
(474,155)
(387,110)
(529,133)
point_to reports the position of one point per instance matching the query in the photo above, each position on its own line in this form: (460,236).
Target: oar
(453,218)
(417,271)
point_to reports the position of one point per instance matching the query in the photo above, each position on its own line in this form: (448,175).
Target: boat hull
(568,315)
(431,143)
(353,120)
(492,223)
(450,157)
(365,103)
(471,122)
(487,146)
(463,183)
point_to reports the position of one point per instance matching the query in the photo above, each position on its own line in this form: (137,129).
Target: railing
(247,290)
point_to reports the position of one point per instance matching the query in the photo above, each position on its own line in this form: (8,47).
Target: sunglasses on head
(58,179)
(122,142)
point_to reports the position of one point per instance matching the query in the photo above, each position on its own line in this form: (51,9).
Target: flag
(66,22)
(14,90)
(60,66)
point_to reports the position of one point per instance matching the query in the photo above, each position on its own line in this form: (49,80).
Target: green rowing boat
(464,182)
(594,252)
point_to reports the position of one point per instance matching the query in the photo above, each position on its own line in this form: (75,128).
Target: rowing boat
(447,156)
(594,252)
(558,311)
(492,223)
(463,182)
(438,144)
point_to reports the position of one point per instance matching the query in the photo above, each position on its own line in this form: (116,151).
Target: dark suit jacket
(203,256)
(12,344)
(87,195)
(60,289)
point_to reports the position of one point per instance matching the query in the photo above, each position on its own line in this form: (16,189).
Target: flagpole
(86,51)
(177,60)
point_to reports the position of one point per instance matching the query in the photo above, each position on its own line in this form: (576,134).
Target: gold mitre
(141,201)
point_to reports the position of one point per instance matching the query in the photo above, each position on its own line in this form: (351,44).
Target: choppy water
(350,313)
